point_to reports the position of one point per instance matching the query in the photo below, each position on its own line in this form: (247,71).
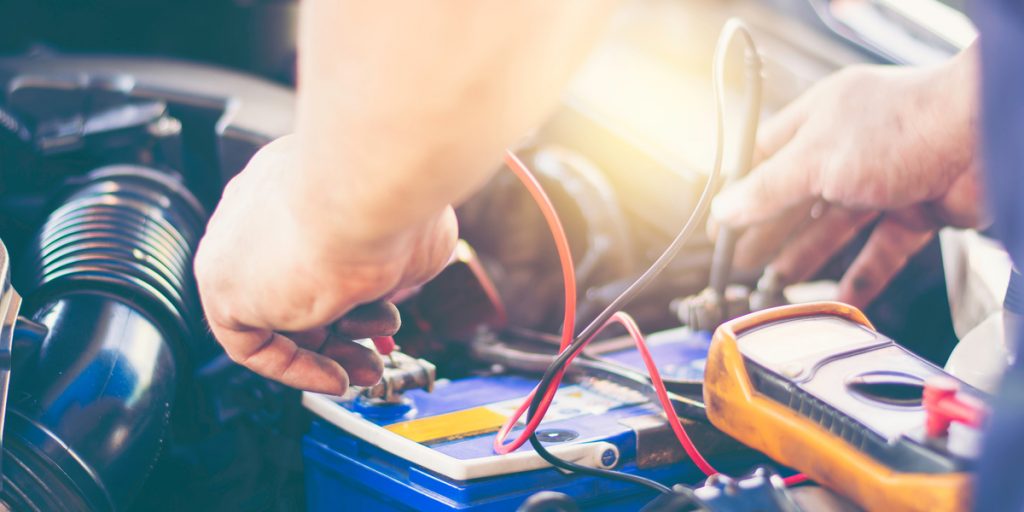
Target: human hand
(892,148)
(276,273)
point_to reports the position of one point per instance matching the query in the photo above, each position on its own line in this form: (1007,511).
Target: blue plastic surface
(344,472)
(680,353)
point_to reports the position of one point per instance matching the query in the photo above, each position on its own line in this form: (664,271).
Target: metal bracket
(10,303)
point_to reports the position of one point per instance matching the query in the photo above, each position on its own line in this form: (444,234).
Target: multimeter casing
(779,380)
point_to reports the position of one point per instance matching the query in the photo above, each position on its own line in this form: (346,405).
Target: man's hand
(403,109)
(275,284)
(882,146)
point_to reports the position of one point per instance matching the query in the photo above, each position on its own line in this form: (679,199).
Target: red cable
(792,480)
(568,321)
(659,388)
(561,243)
(568,274)
(666,404)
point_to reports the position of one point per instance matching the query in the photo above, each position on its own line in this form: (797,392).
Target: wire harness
(538,402)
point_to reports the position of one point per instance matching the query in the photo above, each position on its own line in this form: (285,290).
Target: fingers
(275,356)
(779,130)
(963,204)
(363,364)
(378,318)
(779,183)
(887,251)
(313,363)
(761,242)
(360,365)
(815,245)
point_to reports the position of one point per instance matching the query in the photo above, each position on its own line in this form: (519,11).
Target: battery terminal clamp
(402,373)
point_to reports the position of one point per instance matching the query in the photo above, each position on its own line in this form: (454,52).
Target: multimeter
(816,388)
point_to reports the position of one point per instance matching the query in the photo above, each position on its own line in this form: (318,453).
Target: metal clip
(10,303)
(402,373)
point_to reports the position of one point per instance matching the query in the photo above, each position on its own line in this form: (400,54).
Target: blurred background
(635,127)
(624,157)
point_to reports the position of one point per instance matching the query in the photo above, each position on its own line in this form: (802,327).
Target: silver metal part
(769,292)
(707,310)
(402,373)
(10,303)
(761,491)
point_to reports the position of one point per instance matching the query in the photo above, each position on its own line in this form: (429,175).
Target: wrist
(339,187)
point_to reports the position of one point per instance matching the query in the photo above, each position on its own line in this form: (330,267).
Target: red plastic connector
(943,405)
(384,344)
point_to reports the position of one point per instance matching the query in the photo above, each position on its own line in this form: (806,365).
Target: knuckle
(234,354)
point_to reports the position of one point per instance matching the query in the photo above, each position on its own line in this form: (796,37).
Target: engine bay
(120,398)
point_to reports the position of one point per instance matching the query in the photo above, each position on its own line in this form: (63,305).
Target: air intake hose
(110,278)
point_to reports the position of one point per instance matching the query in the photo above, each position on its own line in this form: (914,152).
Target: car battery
(433,451)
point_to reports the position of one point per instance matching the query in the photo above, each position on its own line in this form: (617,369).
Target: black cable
(700,210)
(598,472)
(603,473)
(681,499)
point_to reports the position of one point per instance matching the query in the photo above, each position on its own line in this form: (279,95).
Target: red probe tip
(384,344)
(944,405)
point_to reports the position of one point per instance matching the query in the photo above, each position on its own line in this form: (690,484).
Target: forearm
(405,107)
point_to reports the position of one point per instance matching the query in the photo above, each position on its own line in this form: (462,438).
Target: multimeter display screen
(780,343)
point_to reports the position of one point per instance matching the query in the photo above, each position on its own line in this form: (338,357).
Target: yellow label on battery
(450,426)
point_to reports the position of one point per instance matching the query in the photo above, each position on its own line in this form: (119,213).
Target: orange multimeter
(816,388)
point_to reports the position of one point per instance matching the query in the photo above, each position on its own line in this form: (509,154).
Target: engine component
(709,308)
(10,302)
(111,280)
(762,490)
(507,230)
(130,231)
(718,302)
(442,319)
(454,305)
(99,265)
